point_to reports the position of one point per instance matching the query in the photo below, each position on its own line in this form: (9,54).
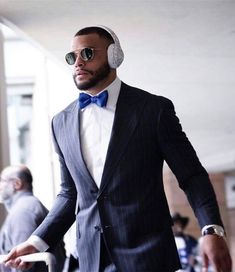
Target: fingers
(13,258)
(12,263)
(214,250)
(224,264)
(222,261)
(204,268)
(18,264)
(205,263)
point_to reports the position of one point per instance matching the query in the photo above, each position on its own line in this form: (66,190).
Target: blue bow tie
(86,99)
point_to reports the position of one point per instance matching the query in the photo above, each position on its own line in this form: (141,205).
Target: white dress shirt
(96,126)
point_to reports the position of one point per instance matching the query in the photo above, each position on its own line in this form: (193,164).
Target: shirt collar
(113,91)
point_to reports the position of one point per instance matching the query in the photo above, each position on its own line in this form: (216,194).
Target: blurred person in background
(24,214)
(186,244)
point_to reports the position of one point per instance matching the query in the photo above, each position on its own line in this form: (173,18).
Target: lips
(81,72)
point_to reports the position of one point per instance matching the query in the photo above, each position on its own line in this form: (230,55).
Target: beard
(7,193)
(99,75)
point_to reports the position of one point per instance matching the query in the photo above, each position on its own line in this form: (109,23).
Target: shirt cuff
(38,243)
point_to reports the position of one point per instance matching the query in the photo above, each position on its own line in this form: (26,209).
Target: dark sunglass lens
(70,58)
(86,54)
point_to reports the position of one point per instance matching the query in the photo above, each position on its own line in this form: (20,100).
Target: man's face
(91,74)
(6,188)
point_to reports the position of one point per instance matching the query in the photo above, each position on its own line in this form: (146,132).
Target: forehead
(89,40)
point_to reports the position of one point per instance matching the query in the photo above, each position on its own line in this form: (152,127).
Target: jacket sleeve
(62,214)
(183,161)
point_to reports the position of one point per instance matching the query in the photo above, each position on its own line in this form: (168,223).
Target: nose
(79,62)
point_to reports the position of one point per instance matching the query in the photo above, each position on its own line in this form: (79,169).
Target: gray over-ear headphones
(114,51)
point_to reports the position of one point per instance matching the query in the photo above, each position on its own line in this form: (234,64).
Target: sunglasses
(85,54)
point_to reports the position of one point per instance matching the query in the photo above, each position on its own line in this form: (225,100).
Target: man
(111,158)
(186,244)
(25,214)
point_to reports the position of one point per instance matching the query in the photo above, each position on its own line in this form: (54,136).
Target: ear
(18,184)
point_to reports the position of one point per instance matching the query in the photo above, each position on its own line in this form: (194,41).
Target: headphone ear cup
(115,55)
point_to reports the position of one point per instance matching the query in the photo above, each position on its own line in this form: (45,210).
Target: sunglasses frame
(74,54)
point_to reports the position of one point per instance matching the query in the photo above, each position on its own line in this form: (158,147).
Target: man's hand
(214,251)
(13,258)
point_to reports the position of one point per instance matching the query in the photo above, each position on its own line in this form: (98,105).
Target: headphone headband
(110,31)
(114,51)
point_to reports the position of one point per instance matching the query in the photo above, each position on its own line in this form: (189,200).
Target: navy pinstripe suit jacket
(130,207)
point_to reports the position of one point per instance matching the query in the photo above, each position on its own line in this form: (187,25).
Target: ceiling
(181,49)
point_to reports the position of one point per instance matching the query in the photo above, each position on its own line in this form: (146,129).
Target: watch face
(209,231)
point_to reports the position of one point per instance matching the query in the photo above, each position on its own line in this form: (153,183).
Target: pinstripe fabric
(130,207)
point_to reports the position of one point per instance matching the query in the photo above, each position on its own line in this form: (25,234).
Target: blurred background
(181,49)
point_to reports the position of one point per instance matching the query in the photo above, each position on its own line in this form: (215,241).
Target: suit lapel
(129,108)
(75,144)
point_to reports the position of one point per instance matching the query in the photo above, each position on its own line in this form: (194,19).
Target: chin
(83,86)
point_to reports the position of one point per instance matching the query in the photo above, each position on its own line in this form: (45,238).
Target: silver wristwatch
(213,230)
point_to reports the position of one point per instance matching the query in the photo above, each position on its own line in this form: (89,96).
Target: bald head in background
(13,179)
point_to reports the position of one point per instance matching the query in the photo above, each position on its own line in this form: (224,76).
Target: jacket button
(93,191)
(98,228)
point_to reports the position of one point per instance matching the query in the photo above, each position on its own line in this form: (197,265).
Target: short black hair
(95,29)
